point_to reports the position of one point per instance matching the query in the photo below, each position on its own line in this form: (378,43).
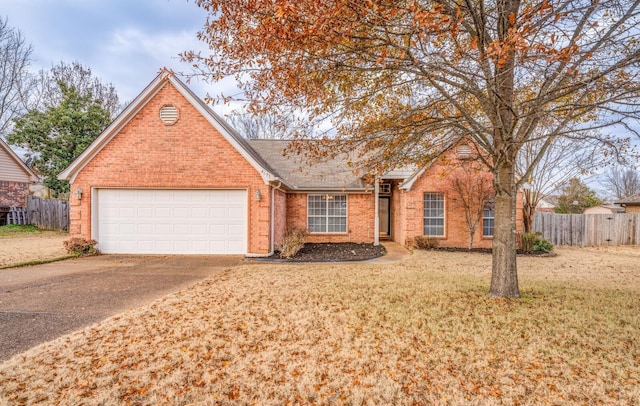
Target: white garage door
(134,221)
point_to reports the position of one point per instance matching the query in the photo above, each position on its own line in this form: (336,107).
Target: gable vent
(464,151)
(169,114)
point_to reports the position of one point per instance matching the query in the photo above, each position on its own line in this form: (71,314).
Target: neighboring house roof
(631,200)
(12,168)
(300,175)
(547,203)
(239,143)
(604,209)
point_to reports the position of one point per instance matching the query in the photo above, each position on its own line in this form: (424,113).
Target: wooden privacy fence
(48,214)
(584,230)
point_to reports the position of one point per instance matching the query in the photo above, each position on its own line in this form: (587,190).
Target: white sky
(124,42)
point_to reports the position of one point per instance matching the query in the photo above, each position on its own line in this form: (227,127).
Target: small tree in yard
(565,159)
(575,197)
(397,80)
(473,187)
(56,136)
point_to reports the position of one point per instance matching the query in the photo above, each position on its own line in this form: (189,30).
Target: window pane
(317,224)
(434,214)
(488,220)
(337,206)
(337,225)
(327,213)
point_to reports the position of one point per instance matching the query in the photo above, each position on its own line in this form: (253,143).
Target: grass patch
(39,262)
(422,331)
(18,229)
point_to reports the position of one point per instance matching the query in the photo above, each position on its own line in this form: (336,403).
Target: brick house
(630,204)
(170,176)
(15,178)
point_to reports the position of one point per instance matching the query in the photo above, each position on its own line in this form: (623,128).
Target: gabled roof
(631,200)
(239,143)
(334,174)
(14,157)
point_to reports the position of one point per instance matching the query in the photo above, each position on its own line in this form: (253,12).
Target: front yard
(20,244)
(421,331)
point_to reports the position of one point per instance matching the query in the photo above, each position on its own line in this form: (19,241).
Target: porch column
(376,225)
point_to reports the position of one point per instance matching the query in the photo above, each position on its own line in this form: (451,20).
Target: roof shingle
(334,174)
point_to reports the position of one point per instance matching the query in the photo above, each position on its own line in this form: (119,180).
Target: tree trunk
(528,211)
(472,232)
(504,276)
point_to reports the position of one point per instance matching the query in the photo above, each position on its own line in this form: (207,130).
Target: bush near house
(424,242)
(293,242)
(81,246)
(534,242)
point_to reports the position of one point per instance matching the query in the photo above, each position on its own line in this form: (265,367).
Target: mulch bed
(488,251)
(331,252)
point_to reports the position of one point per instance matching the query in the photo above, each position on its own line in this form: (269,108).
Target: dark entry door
(384,214)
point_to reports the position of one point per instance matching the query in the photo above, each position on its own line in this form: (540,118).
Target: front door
(384,216)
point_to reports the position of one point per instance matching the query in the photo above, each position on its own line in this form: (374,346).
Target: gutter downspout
(273,215)
(376,225)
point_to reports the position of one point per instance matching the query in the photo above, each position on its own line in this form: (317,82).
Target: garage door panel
(171,221)
(236,213)
(199,230)
(181,229)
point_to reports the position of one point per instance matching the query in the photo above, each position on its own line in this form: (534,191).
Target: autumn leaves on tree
(398,80)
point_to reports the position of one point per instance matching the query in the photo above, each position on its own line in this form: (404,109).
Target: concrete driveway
(40,303)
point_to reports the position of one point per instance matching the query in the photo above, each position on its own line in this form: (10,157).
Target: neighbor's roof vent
(169,114)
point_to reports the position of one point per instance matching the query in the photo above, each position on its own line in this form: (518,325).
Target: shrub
(542,245)
(293,242)
(81,246)
(527,240)
(426,243)
(534,242)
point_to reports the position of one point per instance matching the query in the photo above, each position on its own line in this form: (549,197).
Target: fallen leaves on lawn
(421,331)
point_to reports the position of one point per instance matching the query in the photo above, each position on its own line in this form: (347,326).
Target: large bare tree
(622,182)
(402,77)
(48,93)
(265,126)
(15,79)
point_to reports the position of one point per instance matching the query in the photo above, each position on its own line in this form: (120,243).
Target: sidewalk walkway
(395,253)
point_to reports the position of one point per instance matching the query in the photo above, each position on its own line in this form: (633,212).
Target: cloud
(123,42)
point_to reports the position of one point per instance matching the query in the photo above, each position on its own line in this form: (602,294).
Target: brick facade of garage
(188,154)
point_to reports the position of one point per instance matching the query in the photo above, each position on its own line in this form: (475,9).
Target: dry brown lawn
(421,331)
(32,246)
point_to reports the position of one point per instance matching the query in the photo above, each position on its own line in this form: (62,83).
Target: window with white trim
(434,214)
(327,213)
(487,219)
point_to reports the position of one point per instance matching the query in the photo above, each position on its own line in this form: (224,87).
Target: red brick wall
(411,212)
(632,209)
(188,154)
(280,216)
(360,218)
(13,193)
